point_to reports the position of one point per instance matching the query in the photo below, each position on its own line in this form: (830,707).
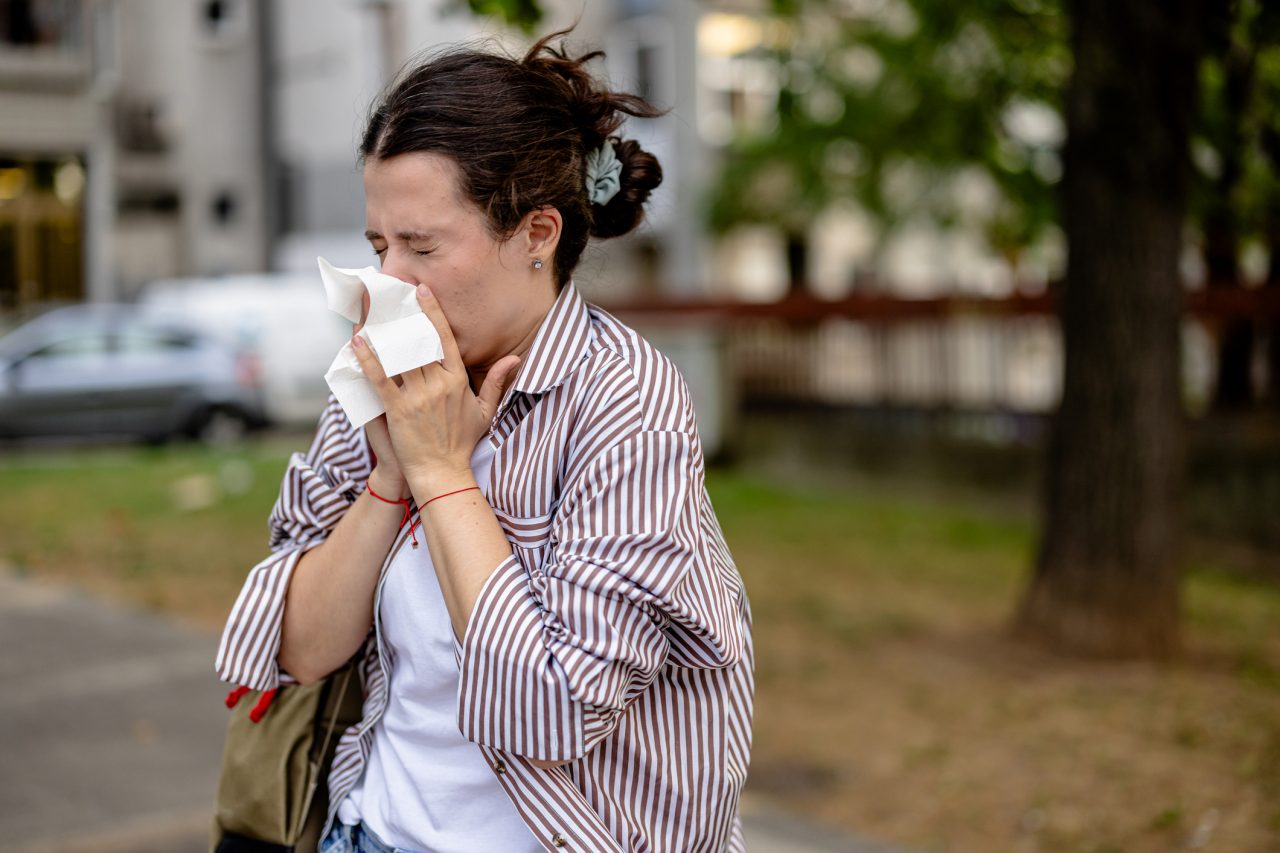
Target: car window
(73,347)
(153,340)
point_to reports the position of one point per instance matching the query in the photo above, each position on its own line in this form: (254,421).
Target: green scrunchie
(604,174)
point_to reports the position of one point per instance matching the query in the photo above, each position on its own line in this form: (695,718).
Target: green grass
(174,527)
(864,561)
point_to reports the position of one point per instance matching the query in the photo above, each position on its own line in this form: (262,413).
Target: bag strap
(336,701)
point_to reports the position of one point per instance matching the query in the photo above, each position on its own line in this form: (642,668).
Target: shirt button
(499,766)
(559,840)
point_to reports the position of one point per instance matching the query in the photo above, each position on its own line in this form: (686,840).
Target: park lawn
(889,699)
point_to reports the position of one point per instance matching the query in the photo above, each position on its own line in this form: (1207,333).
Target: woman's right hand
(386,477)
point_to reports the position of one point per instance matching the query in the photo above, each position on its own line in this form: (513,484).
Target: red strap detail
(264,702)
(234,696)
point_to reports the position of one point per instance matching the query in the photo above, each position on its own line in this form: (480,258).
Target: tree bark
(1271,150)
(1233,389)
(1105,581)
(797,264)
(1271,393)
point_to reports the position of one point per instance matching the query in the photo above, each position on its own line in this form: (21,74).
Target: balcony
(44,44)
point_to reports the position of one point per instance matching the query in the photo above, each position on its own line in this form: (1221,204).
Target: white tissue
(399,333)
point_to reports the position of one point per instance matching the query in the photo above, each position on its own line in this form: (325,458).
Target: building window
(41,231)
(225,208)
(223,21)
(41,24)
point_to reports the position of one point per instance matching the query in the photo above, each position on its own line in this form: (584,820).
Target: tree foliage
(1236,194)
(888,102)
(525,14)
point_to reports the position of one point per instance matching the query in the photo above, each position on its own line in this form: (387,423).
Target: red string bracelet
(408,516)
(446,494)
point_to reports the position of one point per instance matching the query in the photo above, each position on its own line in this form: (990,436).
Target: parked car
(105,369)
(281,318)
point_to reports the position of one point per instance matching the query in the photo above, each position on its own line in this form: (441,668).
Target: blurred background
(979,304)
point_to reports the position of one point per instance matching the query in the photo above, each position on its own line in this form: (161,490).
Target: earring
(537,263)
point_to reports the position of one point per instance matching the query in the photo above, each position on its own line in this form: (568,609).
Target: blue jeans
(355,839)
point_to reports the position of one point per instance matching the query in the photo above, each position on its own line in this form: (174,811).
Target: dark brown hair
(520,132)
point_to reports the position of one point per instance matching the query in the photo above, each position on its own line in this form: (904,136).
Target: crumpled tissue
(398,332)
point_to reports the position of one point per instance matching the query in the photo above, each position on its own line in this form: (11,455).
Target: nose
(395,264)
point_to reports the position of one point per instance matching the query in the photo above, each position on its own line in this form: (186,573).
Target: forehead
(416,185)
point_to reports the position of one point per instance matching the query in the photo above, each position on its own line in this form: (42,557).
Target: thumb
(500,375)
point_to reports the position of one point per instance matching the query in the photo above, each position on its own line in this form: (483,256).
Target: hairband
(604,174)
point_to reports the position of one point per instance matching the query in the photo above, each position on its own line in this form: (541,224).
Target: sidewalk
(111,726)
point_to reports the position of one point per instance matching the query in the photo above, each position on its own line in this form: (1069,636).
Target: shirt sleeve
(315,493)
(551,657)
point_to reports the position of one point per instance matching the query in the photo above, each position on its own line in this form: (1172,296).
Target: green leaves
(525,14)
(873,91)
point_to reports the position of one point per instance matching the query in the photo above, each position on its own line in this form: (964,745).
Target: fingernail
(423,290)
(357,341)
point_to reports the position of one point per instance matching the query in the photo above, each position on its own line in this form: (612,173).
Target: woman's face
(425,232)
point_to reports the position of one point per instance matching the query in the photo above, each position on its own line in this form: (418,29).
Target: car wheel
(222,427)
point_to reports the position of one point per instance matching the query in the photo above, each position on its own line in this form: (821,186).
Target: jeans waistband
(345,838)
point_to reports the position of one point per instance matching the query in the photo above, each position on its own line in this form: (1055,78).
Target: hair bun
(640,174)
(598,112)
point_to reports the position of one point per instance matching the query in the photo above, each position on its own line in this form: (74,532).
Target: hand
(433,418)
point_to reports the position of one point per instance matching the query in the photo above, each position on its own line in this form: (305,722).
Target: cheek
(463,314)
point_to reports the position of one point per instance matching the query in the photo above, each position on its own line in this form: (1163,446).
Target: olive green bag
(273,792)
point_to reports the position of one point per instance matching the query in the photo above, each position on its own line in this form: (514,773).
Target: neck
(479,372)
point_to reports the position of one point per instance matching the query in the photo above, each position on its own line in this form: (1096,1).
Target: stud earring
(537,263)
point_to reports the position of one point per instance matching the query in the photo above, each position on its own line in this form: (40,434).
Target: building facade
(132,145)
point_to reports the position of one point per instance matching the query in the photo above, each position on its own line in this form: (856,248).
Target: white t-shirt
(425,787)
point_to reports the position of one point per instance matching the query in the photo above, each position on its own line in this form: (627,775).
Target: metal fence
(956,353)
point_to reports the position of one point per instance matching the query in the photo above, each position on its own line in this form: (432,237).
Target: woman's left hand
(434,418)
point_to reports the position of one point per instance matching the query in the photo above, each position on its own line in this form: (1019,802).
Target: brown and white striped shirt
(618,634)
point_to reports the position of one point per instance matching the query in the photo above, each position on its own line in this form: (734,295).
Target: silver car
(107,370)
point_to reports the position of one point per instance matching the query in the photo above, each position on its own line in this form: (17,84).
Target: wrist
(389,484)
(427,484)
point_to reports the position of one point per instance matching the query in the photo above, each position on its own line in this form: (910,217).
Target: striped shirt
(616,637)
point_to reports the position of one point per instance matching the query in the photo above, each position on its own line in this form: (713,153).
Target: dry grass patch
(892,703)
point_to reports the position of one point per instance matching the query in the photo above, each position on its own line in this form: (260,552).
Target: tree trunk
(1233,386)
(1272,391)
(1106,577)
(1271,150)
(797,264)
(1233,389)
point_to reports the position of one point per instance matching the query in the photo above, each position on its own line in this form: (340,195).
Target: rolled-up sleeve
(316,491)
(552,656)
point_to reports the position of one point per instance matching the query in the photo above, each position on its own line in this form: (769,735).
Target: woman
(567,663)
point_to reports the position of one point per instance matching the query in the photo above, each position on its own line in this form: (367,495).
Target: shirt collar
(563,340)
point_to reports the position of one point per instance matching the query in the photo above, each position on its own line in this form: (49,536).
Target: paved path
(111,726)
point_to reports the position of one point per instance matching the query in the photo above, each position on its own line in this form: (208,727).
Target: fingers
(497,380)
(373,370)
(431,307)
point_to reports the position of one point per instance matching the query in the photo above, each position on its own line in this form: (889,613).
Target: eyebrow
(407,236)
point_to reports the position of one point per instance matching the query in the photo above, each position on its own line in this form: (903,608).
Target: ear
(541,229)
